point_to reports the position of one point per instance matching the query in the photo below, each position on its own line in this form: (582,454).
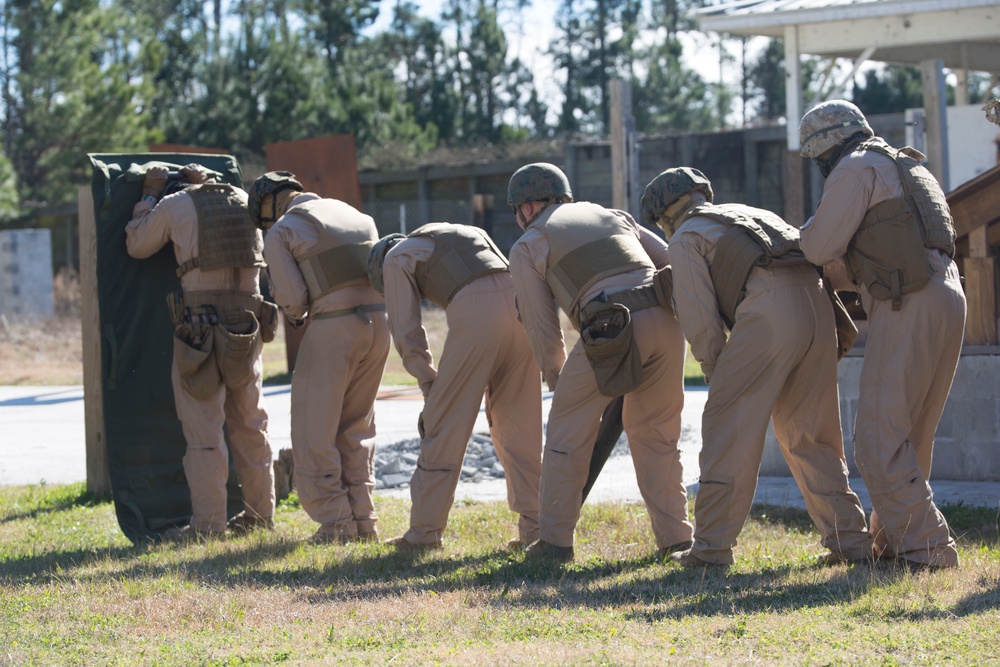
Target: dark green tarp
(143,436)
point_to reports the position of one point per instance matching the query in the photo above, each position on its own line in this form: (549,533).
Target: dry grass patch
(76,592)
(41,351)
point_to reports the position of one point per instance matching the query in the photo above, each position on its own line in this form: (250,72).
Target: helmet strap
(845,147)
(673,215)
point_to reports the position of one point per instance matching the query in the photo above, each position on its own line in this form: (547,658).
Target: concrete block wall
(967,445)
(26,273)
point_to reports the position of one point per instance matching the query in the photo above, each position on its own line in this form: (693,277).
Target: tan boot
(244,523)
(403,544)
(542,550)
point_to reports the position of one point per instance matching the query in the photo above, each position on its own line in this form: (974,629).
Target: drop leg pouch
(609,344)
(194,354)
(237,346)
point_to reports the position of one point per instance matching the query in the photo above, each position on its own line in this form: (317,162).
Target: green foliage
(892,89)
(672,97)
(765,90)
(71,87)
(8,189)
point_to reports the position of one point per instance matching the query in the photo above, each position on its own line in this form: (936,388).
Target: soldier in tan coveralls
(221,322)
(317,260)
(779,362)
(460,269)
(587,259)
(885,218)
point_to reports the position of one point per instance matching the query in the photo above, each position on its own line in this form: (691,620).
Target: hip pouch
(268,321)
(194,348)
(609,343)
(237,346)
(847,331)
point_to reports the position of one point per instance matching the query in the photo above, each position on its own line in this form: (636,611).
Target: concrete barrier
(967,445)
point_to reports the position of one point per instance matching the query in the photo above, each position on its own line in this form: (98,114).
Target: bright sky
(530,40)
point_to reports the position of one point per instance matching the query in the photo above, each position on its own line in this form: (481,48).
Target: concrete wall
(967,446)
(26,273)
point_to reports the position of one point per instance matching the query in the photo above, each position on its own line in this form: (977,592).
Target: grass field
(76,592)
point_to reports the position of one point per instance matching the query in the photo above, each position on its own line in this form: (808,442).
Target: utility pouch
(268,321)
(847,331)
(237,346)
(663,286)
(887,253)
(609,343)
(194,347)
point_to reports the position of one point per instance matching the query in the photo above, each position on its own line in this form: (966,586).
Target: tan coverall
(486,351)
(651,414)
(239,409)
(337,375)
(780,363)
(910,360)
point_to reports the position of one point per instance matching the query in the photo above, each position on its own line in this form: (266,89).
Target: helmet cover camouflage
(829,124)
(270,183)
(376,259)
(670,186)
(536,182)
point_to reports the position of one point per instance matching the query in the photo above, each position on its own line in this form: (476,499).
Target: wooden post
(624,162)
(98,478)
(482,212)
(936,114)
(980,292)
(794,189)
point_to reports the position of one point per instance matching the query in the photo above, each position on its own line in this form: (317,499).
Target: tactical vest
(754,237)
(227,237)
(586,246)
(461,254)
(887,254)
(340,257)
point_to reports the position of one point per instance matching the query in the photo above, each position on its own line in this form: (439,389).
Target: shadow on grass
(641,588)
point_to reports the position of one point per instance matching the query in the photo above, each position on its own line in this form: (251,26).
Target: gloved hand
(154,181)
(420,424)
(194,173)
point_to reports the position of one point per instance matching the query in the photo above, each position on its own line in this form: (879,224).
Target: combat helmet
(376,259)
(537,181)
(666,189)
(830,124)
(270,183)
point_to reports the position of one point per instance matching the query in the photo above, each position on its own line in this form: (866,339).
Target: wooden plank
(620,92)
(976,203)
(98,478)
(795,189)
(482,212)
(979,243)
(980,292)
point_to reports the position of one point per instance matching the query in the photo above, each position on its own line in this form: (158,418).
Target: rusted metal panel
(327,165)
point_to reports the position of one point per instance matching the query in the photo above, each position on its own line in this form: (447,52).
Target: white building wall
(26,273)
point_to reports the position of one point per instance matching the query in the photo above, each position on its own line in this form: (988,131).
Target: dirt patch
(41,351)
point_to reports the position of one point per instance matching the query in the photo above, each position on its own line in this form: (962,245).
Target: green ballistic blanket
(145,445)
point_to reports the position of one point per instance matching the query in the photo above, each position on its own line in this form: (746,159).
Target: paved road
(42,440)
